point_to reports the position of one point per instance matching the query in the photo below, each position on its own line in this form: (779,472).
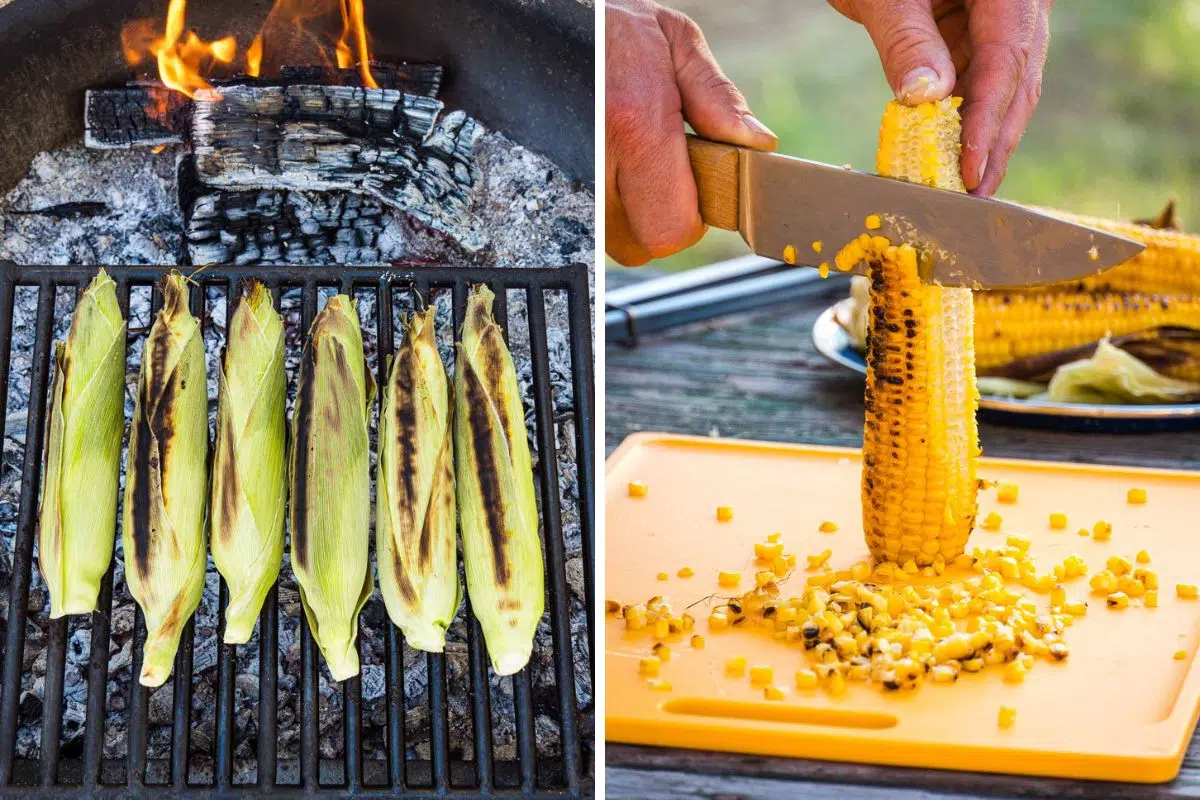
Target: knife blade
(776,201)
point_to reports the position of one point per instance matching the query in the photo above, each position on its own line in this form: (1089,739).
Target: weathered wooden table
(757,376)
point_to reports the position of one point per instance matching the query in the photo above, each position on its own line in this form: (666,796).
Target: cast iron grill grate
(530,775)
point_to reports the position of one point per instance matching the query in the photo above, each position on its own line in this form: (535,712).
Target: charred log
(274,226)
(320,138)
(134,116)
(419,79)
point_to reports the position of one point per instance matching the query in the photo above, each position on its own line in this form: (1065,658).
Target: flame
(254,57)
(354,27)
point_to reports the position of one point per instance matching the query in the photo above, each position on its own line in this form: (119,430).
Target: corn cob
(1019,325)
(921,442)
(415,525)
(82,460)
(497,508)
(166,481)
(329,468)
(248,492)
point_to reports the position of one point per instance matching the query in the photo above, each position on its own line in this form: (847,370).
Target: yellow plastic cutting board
(1120,708)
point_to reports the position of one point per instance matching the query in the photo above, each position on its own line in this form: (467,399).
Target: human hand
(990,52)
(659,73)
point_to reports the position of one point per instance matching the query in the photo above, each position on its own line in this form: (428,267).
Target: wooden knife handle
(715,166)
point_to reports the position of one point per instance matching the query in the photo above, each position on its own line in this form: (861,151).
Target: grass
(1113,134)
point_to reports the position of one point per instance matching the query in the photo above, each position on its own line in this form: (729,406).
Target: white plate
(833,342)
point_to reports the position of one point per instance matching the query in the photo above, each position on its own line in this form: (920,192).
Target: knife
(775,201)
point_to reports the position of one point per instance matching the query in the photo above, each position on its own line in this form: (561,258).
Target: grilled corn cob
(248,497)
(1017,325)
(496,503)
(167,479)
(82,461)
(329,471)
(415,525)
(921,442)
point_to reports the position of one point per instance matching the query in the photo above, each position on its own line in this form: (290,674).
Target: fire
(185,61)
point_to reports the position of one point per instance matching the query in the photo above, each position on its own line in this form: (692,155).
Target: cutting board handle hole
(778,712)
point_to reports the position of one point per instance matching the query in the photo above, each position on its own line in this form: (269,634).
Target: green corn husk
(330,484)
(166,482)
(82,459)
(415,519)
(249,492)
(496,503)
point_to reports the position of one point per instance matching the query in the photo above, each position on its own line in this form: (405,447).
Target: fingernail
(918,84)
(982,170)
(755,126)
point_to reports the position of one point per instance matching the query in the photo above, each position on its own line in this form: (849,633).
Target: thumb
(915,57)
(712,105)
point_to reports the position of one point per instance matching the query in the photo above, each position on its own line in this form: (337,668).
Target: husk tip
(512,661)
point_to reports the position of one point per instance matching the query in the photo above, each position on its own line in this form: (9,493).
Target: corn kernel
(767,550)
(827,527)
(662,652)
(635,617)
(836,684)
(1136,496)
(818,560)
(1058,520)
(735,667)
(1186,591)
(774,537)
(724,513)
(1076,608)
(649,666)
(1007,717)
(1150,600)
(1142,557)
(992,521)
(823,269)
(872,222)
(1019,542)
(1118,565)
(1058,596)
(806,679)
(686,572)
(763,577)
(1102,531)
(761,674)
(1084,532)
(1180,655)
(1150,578)
(662,576)
(698,642)
(789,254)
(662,628)
(1007,493)
(659,684)
(1117,600)
(773,693)
(717,621)
(728,580)
(780,567)
(638,488)
(1014,672)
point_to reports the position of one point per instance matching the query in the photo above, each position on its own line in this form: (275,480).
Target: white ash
(114,207)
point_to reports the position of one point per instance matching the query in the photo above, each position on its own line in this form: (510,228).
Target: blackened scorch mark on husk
(140,475)
(230,484)
(488,464)
(406,436)
(303,441)
(491,352)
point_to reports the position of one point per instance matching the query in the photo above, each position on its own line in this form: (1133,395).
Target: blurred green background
(1115,133)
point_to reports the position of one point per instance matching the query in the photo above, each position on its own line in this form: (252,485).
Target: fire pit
(302,163)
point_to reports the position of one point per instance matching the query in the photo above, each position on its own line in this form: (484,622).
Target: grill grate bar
(581,379)
(442,776)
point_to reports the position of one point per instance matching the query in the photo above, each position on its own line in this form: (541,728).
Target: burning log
(320,138)
(147,114)
(274,226)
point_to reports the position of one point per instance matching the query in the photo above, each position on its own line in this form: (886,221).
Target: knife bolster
(715,166)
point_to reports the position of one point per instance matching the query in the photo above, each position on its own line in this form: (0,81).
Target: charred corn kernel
(789,254)
(774,537)
(662,576)
(1077,608)
(1136,496)
(1007,493)
(1187,591)
(818,246)
(735,666)
(659,684)
(497,505)
(921,365)
(698,642)
(761,674)
(1117,600)
(773,693)
(649,666)
(1014,671)
(638,488)
(1058,520)
(724,513)
(1180,655)
(166,484)
(806,679)
(662,651)
(1102,531)
(1142,557)
(635,617)
(717,621)
(828,527)
(728,580)
(1151,599)
(872,222)
(823,269)
(768,551)
(780,566)
(612,607)
(249,487)
(662,628)
(1020,542)
(1118,565)
(82,454)
(992,521)
(1007,717)
(818,560)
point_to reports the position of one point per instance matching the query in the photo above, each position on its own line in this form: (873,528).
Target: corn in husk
(330,477)
(249,487)
(496,503)
(415,525)
(82,460)
(166,480)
